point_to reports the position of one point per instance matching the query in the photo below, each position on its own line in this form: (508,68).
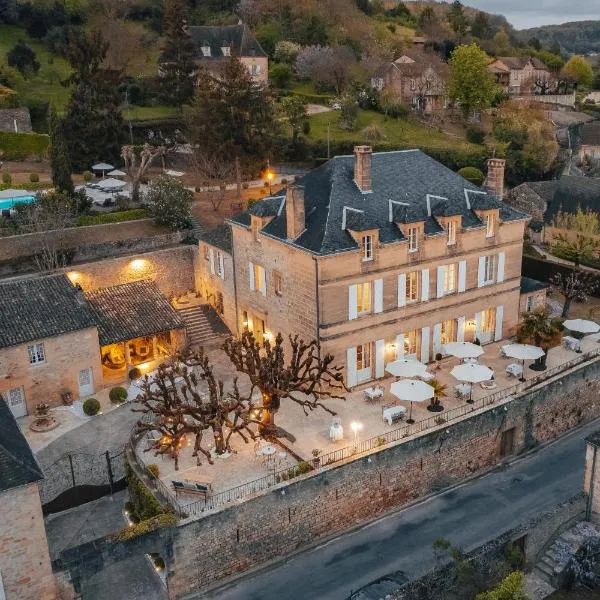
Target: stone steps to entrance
(202,324)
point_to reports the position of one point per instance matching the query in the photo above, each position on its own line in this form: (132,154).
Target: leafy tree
(538,328)
(232,117)
(93,122)
(472,174)
(577,285)
(428,20)
(578,235)
(481,28)
(510,588)
(579,70)
(326,65)
(458,20)
(295,111)
(306,378)
(471,84)
(348,112)
(178,67)
(8,11)
(23,58)
(286,52)
(268,35)
(60,164)
(136,171)
(169,203)
(280,75)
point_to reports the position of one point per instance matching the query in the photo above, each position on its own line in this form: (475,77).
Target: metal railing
(242,492)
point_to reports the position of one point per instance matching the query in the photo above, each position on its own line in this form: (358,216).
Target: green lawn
(401,132)
(149,113)
(45,85)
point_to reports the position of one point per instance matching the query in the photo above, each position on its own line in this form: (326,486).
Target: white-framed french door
(364,362)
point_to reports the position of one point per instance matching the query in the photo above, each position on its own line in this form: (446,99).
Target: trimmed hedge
(143,527)
(30,187)
(19,146)
(134,214)
(91,407)
(117,395)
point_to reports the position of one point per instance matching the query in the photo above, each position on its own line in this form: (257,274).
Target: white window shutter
(399,346)
(379,359)
(251,275)
(499,318)
(481,272)
(352,299)
(402,289)
(437,339)
(221,265)
(460,331)
(425,285)
(351,367)
(440,282)
(211,256)
(478,326)
(501,261)
(462,275)
(378,304)
(425,345)
(263,282)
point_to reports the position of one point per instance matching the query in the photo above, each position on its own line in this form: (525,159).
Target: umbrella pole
(522,378)
(470,400)
(410,420)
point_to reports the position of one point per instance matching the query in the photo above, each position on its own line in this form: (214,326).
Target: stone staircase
(197,230)
(202,324)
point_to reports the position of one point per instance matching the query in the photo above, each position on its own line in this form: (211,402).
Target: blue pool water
(6,204)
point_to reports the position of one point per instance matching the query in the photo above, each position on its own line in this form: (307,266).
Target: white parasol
(111,184)
(117,173)
(472,373)
(582,326)
(463,349)
(523,352)
(406,367)
(412,390)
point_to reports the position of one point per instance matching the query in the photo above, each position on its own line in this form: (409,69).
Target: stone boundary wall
(295,514)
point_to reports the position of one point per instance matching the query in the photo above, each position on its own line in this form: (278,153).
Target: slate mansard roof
(420,187)
(41,307)
(18,465)
(528,285)
(131,310)
(238,38)
(220,237)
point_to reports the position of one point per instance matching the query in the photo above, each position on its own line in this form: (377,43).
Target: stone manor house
(375,255)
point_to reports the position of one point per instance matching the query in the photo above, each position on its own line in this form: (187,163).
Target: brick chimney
(363,156)
(494,182)
(294,211)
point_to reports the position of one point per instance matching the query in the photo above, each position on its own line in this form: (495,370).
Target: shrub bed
(19,146)
(145,505)
(32,186)
(134,214)
(143,527)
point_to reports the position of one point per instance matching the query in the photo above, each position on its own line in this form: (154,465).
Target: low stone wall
(293,515)
(172,269)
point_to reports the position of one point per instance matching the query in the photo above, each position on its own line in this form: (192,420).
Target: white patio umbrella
(111,184)
(406,367)
(463,349)
(472,373)
(411,390)
(523,352)
(117,173)
(582,326)
(103,168)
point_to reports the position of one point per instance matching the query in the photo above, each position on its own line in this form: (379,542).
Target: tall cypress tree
(178,67)
(60,164)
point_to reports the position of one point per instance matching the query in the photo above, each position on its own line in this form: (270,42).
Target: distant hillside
(579,37)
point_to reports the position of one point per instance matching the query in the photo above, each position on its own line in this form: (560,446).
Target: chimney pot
(363,158)
(294,211)
(494,182)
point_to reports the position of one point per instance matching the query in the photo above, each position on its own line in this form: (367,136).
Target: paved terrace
(243,474)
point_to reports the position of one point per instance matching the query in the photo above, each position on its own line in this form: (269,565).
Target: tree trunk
(566,307)
(270,406)
(238,176)
(219,439)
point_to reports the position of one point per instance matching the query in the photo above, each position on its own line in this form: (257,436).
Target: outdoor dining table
(267,450)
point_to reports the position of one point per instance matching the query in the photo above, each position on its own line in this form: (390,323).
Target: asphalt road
(379,556)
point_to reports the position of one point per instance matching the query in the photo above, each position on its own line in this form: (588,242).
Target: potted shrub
(439,392)
(438,358)
(91,407)
(34,177)
(117,395)
(316,460)
(134,374)
(87,176)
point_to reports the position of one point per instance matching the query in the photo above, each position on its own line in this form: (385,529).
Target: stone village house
(376,256)
(417,79)
(517,75)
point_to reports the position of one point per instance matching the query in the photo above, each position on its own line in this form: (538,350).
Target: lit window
(410,343)
(206,51)
(254,69)
(449,278)
(220,265)
(277,283)
(530,304)
(259,278)
(412,287)
(363,357)
(448,331)
(366,247)
(413,239)
(363,298)
(451,233)
(226,51)
(488,273)
(37,354)
(488,320)
(206,252)
(489,225)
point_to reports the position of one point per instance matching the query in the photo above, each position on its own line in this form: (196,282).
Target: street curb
(279,561)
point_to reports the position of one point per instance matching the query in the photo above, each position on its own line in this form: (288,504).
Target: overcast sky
(531,13)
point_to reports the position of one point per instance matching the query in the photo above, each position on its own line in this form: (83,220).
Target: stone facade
(24,557)
(533,300)
(65,356)
(258,67)
(172,269)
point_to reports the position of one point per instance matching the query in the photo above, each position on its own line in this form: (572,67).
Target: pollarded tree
(136,171)
(471,84)
(307,378)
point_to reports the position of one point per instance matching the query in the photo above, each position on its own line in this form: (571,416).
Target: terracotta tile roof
(131,310)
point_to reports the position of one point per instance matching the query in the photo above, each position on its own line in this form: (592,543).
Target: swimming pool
(7,203)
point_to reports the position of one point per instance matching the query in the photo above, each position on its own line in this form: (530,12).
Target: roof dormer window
(205,50)
(226,50)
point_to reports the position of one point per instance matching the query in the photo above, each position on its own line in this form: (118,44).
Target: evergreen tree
(480,28)
(93,123)
(8,11)
(178,67)
(60,164)
(458,19)
(231,116)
